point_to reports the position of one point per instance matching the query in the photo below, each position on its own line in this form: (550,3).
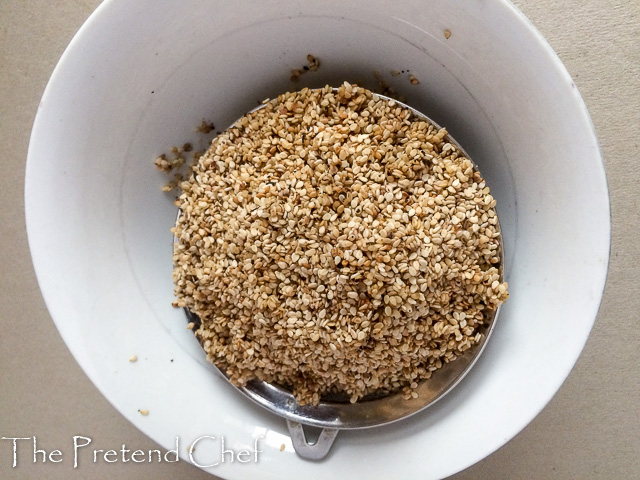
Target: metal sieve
(335,413)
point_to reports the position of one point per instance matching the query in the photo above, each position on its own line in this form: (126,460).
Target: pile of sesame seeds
(332,243)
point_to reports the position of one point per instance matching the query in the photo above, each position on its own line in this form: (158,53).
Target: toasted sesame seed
(331,220)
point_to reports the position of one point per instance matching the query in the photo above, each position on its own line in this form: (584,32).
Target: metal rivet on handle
(311,451)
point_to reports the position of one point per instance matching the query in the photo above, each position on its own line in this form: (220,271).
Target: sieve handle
(311,451)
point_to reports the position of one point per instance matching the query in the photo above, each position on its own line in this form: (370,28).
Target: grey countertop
(591,428)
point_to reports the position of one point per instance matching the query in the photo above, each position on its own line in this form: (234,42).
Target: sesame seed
(327,221)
